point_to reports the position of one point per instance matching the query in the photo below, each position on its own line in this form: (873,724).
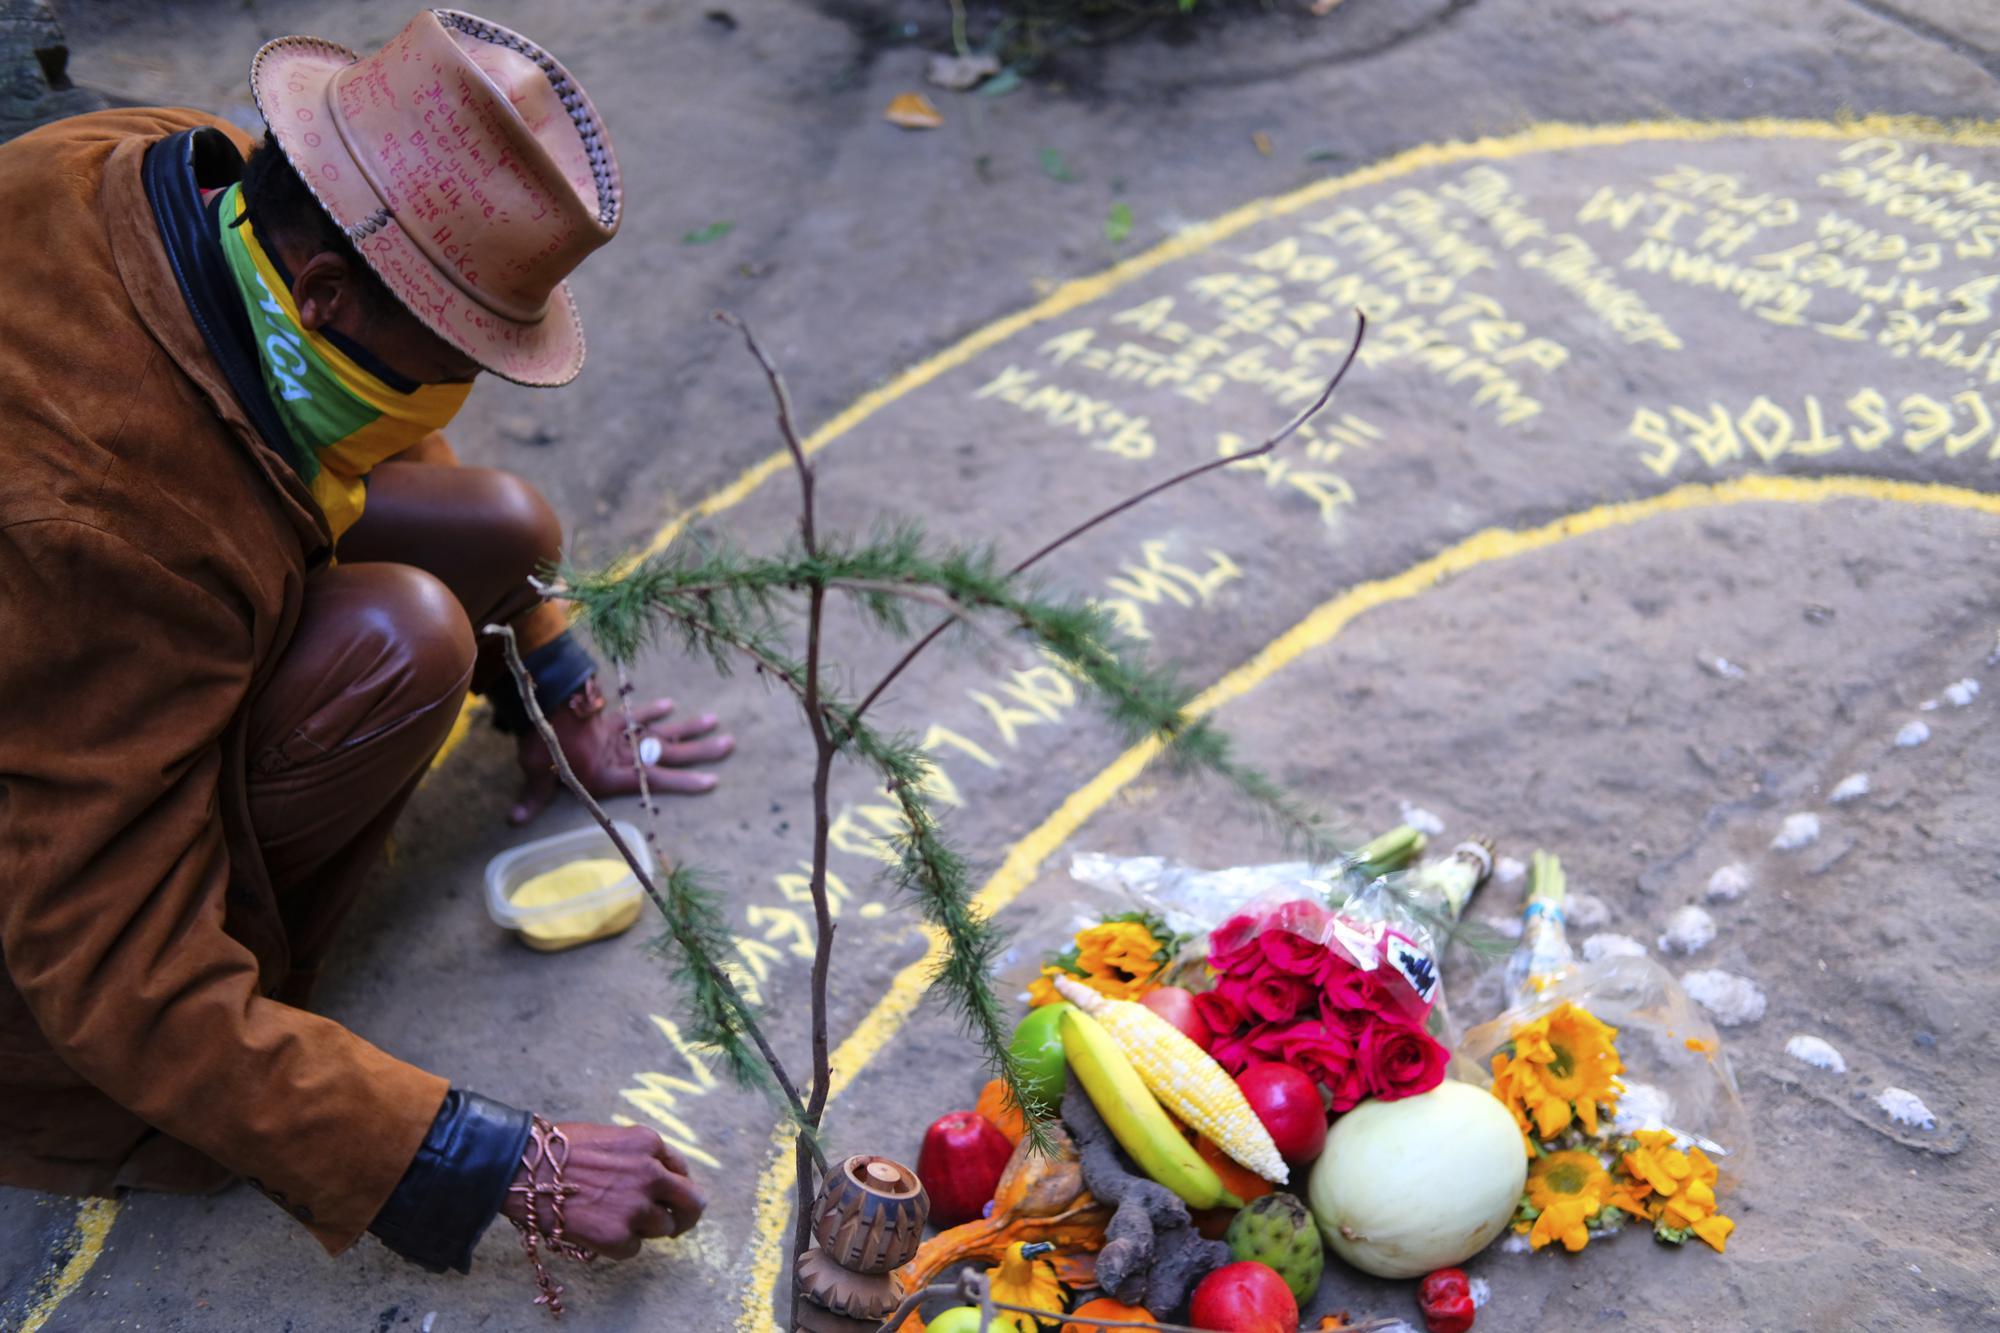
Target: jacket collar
(147,271)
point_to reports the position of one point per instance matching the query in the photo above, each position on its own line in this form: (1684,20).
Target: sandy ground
(1681,474)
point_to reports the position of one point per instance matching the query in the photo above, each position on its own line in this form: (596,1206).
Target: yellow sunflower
(1118,946)
(1567,1190)
(1559,1069)
(1675,1190)
(1566,1221)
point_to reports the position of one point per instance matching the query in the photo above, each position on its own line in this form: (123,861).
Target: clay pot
(815,1319)
(845,1292)
(870,1214)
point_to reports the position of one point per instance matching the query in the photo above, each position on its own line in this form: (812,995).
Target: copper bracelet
(547,1147)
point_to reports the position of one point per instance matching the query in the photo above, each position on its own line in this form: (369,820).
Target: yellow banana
(1134,1116)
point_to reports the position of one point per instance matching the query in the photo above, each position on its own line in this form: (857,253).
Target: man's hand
(602,757)
(631,1187)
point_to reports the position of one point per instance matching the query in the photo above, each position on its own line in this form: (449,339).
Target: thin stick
(825,750)
(1290,429)
(785,428)
(632,739)
(525,683)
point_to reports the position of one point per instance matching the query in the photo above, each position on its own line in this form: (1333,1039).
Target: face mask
(344,418)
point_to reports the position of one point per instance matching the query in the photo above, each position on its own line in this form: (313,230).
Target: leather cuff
(456,1184)
(561,667)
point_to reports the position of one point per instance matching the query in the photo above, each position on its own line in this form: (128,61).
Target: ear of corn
(1184,1077)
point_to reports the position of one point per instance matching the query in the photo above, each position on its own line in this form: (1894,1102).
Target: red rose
(1233,1053)
(1292,954)
(1327,1051)
(1232,946)
(1268,1040)
(1400,1061)
(1302,917)
(1218,1011)
(1234,991)
(1279,999)
(1373,991)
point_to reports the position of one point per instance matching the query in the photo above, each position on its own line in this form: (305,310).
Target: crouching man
(240,575)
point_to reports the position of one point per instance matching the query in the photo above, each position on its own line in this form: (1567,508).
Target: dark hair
(280,203)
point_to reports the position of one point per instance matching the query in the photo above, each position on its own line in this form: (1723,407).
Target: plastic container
(540,926)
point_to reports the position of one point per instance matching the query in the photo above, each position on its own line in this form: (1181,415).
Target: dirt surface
(1658,506)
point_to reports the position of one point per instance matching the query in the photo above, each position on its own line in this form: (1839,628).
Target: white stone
(1906,1108)
(1585,911)
(1733,1000)
(1727,669)
(1514,1243)
(649,751)
(1913,734)
(1850,788)
(1730,883)
(1510,871)
(1422,820)
(1960,694)
(1817,1052)
(1482,1292)
(1608,945)
(1690,930)
(1800,830)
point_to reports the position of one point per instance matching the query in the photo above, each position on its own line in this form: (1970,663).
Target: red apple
(1288,1102)
(960,1166)
(1244,1298)
(1177,1007)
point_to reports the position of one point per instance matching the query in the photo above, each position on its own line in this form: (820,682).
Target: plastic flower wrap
(1619,1084)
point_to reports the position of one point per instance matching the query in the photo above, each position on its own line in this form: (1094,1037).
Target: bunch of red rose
(1280,994)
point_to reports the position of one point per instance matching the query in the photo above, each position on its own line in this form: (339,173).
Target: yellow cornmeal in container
(575,879)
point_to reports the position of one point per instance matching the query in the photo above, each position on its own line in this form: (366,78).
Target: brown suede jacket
(153,553)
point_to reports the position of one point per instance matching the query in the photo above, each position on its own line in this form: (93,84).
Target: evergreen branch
(694,922)
(932,875)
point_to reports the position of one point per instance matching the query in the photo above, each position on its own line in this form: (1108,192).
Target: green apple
(961,1319)
(1038,1050)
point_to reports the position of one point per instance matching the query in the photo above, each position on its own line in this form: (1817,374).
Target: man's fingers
(623,1250)
(680,781)
(682,753)
(656,1222)
(684,1198)
(668,1157)
(653,710)
(537,790)
(687,728)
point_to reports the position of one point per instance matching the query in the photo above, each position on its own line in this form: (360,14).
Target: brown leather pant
(373,678)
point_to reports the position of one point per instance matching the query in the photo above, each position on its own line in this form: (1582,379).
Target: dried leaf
(1119,224)
(959,73)
(1054,167)
(714,231)
(913,111)
(1263,142)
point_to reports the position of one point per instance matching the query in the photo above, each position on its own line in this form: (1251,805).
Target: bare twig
(824,752)
(785,428)
(1291,428)
(525,682)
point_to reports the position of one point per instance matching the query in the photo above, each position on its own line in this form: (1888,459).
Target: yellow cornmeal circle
(576,879)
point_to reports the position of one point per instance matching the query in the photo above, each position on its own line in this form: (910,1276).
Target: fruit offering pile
(1201,1147)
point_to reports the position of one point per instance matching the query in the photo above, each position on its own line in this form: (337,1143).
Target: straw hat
(468,168)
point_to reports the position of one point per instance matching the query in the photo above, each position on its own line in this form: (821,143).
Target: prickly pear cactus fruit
(1278,1232)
